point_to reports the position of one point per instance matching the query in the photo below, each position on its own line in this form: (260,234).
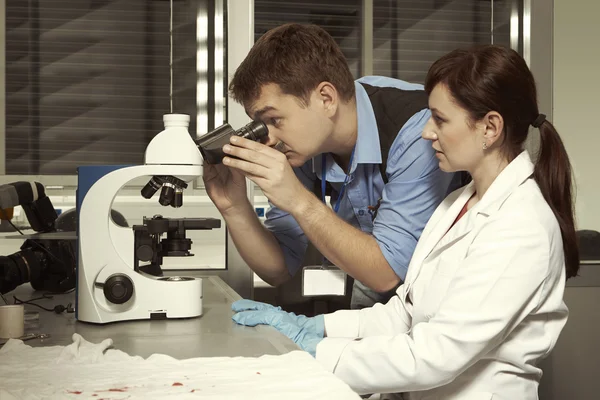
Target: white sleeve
(497,285)
(381,319)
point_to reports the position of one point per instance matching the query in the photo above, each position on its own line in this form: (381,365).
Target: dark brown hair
(496,78)
(297,58)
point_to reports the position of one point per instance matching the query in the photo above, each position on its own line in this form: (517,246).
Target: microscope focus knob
(118,289)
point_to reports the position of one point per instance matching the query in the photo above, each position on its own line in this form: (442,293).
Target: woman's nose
(429,131)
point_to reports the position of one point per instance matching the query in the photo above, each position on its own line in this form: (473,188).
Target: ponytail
(553,175)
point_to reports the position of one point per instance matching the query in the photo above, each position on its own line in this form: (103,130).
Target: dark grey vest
(392,107)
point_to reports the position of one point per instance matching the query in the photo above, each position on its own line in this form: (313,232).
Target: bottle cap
(176,120)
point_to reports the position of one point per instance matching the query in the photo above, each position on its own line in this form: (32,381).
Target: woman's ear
(494,126)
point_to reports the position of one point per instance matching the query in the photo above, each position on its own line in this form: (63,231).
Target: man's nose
(271,140)
(429,130)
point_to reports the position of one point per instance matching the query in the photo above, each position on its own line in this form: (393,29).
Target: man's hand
(269,169)
(225,186)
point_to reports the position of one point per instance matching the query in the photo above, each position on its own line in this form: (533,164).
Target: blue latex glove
(306,332)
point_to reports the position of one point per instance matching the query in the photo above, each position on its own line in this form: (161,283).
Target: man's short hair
(297,58)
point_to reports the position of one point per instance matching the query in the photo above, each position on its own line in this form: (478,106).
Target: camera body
(48,264)
(211,144)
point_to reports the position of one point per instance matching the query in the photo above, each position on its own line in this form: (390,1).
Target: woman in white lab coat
(482,303)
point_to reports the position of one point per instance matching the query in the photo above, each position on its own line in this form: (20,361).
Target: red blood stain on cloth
(74,391)
(123,389)
(177,384)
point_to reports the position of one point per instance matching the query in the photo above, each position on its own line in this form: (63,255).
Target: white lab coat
(481,304)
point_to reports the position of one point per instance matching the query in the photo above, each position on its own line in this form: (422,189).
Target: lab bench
(214,334)
(572,368)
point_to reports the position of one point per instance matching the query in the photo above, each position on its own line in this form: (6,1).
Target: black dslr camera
(48,264)
(211,144)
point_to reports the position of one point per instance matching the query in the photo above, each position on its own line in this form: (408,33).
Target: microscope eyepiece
(211,144)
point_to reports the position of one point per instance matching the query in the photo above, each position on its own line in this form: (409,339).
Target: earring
(484,145)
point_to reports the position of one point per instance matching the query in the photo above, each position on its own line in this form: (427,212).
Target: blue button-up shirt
(416,186)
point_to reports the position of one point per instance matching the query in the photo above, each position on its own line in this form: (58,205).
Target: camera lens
(151,187)
(255,130)
(166,194)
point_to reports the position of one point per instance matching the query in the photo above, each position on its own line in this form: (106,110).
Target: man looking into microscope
(328,132)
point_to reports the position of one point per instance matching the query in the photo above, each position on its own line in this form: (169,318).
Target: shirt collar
(367,149)
(512,176)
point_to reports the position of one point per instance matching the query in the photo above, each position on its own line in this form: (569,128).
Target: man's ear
(494,126)
(327,97)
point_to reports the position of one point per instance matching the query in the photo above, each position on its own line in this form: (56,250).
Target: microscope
(119,268)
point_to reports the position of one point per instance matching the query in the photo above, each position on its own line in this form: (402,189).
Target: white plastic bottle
(174,145)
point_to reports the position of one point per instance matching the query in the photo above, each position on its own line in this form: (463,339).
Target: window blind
(87,81)
(409,35)
(340,18)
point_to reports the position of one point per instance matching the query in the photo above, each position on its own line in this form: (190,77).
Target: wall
(576,89)
(571,371)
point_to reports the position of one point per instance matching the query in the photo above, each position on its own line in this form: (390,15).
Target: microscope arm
(32,197)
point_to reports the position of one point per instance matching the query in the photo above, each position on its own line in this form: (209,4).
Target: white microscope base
(153,298)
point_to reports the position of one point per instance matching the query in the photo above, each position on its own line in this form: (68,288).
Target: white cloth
(84,370)
(481,305)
